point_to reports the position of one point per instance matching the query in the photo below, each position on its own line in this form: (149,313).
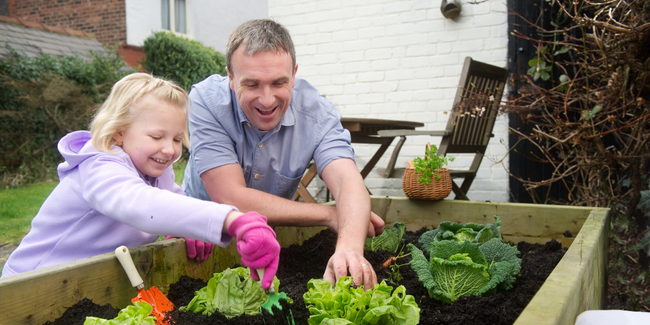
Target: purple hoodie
(102,202)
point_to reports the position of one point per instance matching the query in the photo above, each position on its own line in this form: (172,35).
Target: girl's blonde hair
(117,112)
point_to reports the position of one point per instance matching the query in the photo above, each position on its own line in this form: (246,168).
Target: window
(174,15)
(4,7)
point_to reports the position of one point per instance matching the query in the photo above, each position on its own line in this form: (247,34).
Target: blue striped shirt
(273,161)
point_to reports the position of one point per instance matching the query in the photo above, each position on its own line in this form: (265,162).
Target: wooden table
(364,130)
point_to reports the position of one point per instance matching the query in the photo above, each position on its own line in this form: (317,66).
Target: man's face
(263,84)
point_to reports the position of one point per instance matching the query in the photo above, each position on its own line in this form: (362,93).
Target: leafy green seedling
(136,314)
(428,165)
(346,304)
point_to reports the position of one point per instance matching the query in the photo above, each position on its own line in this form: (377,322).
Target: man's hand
(376,226)
(359,268)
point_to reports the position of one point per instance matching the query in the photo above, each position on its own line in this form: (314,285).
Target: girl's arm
(113,187)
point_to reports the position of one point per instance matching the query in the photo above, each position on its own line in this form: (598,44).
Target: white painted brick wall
(399,59)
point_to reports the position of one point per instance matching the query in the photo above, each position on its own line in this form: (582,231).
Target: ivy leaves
(540,68)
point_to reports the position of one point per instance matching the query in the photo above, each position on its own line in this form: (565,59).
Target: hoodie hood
(75,147)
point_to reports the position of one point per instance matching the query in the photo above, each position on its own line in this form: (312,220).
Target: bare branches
(593,124)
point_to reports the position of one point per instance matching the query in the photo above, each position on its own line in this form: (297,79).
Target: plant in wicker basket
(431,163)
(426,179)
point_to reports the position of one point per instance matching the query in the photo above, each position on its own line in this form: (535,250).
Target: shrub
(42,99)
(184,61)
(591,119)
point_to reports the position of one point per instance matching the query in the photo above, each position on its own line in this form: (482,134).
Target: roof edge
(53,29)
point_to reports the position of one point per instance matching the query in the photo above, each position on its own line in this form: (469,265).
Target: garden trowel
(161,305)
(275,311)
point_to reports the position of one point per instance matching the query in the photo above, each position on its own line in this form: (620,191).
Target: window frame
(172,18)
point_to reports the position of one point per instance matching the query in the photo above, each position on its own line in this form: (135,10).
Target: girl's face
(154,139)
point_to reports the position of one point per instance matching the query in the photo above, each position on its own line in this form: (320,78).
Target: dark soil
(299,264)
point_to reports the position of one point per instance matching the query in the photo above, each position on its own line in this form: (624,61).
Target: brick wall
(399,59)
(106,19)
(132,55)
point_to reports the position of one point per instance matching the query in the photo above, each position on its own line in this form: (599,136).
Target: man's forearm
(226,185)
(280,211)
(353,209)
(352,204)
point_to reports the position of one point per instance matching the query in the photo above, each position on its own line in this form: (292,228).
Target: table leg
(385,143)
(393,158)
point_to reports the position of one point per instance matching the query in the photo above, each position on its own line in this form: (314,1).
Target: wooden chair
(470,123)
(362,130)
(302,192)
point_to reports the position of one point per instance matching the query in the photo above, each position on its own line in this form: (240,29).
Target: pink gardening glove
(257,245)
(197,249)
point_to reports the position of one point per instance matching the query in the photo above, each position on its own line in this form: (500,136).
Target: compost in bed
(299,264)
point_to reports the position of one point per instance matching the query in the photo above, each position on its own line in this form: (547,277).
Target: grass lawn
(17,209)
(19,206)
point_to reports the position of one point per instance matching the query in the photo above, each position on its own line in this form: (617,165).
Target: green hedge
(41,100)
(184,61)
(44,98)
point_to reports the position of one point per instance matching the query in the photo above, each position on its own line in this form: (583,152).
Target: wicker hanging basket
(437,190)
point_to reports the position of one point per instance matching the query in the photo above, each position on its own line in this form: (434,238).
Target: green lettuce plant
(231,293)
(344,304)
(465,262)
(136,314)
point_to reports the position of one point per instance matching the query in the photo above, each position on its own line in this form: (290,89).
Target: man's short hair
(259,35)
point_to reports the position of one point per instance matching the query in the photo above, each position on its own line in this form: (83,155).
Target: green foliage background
(42,99)
(182,60)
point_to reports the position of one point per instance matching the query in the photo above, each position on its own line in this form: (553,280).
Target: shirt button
(257,176)
(260,145)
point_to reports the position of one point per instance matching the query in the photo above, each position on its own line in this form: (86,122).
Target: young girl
(117,188)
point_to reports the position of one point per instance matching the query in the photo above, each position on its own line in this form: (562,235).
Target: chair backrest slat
(475,107)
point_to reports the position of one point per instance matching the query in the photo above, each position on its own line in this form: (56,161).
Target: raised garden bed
(575,285)
(303,262)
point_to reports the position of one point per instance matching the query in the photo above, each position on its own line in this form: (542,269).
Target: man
(253,135)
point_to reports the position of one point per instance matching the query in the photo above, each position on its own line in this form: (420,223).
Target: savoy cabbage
(465,260)
(388,241)
(461,232)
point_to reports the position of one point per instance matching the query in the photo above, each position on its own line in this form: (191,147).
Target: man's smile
(266,112)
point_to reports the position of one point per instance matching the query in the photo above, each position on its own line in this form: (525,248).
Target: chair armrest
(461,173)
(399,132)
